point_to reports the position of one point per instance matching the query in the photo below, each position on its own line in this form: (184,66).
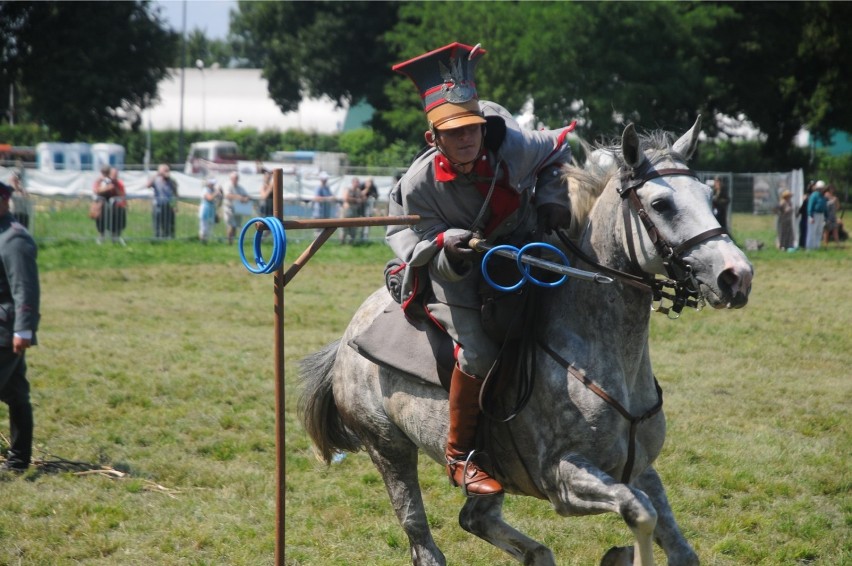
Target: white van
(211,156)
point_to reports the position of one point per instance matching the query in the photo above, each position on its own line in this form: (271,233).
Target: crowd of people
(816,222)
(357,201)
(820,221)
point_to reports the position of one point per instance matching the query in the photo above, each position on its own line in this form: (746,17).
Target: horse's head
(670,226)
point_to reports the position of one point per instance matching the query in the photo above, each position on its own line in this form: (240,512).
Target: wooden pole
(280,427)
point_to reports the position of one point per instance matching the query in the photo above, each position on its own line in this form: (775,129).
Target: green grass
(157,360)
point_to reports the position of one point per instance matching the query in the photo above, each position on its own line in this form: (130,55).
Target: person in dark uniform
(19,318)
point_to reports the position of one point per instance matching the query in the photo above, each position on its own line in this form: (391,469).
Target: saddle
(413,345)
(409,341)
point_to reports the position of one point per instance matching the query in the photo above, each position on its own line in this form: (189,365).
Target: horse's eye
(661,205)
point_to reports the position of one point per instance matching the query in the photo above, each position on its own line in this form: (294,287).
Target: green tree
(83,68)
(603,64)
(782,66)
(208,51)
(316,48)
(785,66)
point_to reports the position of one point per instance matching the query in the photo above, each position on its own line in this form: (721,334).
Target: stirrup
(463,484)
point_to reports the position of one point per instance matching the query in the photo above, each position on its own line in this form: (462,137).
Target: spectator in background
(231,211)
(102,190)
(114,217)
(211,196)
(720,203)
(832,204)
(784,225)
(20,201)
(323,201)
(816,216)
(802,214)
(266,190)
(353,207)
(19,300)
(165,202)
(371,195)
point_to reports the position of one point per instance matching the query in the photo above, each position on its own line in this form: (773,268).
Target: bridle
(681,288)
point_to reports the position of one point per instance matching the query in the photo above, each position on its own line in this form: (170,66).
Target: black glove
(552,216)
(456,248)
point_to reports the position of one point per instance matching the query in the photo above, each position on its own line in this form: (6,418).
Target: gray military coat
(19,284)
(526,163)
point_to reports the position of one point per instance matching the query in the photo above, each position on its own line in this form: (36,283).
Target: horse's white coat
(568,445)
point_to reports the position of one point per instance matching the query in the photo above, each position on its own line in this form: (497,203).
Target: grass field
(156,360)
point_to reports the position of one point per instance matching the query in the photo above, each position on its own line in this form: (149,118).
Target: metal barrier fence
(55,218)
(66,217)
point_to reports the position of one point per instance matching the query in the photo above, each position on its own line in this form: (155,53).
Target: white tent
(214,98)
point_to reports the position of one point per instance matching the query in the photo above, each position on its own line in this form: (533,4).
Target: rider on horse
(482,174)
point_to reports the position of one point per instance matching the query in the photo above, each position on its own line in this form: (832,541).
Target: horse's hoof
(618,556)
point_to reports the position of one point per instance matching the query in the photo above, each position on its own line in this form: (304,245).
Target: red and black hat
(444,78)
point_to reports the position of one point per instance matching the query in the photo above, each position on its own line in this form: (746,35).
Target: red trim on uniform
(439,240)
(414,285)
(560,141)
(456,351)
(444,172)
(398,268)
(504,201)
(452,46)
(433,319)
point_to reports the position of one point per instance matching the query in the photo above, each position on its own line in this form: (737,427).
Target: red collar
(444,171)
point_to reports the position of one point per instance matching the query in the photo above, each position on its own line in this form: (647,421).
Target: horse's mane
(586,182)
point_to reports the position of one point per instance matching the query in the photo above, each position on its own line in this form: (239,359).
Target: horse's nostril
(729,279)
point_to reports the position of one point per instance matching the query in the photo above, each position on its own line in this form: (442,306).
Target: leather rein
(681,281)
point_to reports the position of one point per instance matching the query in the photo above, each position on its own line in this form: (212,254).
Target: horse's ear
(631,147)
(689,141)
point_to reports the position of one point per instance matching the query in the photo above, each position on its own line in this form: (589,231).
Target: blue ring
(279,245)
(525,269)
(487,277)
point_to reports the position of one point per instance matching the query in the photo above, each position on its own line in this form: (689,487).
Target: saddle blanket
(416,347)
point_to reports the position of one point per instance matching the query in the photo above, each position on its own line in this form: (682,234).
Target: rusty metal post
(280,427)
(280,281)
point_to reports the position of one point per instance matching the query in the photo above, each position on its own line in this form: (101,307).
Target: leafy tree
(83,67)
(316,48)
(209,51)
(510,72)
(603,64)
(786,65)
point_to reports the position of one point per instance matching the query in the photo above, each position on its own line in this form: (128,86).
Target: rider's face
(461,145)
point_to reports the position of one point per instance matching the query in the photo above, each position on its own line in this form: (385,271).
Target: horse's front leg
(667,534)
(576,487)
(483,517)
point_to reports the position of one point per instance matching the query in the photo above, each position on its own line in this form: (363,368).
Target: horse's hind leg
(397,463)
(482,516)
(667,533)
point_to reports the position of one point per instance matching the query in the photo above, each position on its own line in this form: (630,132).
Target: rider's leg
(456,306)
(461,439)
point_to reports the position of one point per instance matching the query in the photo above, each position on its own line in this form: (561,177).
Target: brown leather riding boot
(464,416)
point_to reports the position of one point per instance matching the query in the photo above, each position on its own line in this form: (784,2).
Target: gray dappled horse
(593,427)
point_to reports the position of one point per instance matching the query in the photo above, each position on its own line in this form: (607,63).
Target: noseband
(681,288)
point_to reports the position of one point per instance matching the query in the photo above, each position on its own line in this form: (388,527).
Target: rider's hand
(456,247)
(552,216)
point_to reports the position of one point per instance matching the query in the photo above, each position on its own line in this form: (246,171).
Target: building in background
(215,98)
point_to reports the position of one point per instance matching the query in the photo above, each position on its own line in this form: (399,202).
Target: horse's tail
(318,409)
